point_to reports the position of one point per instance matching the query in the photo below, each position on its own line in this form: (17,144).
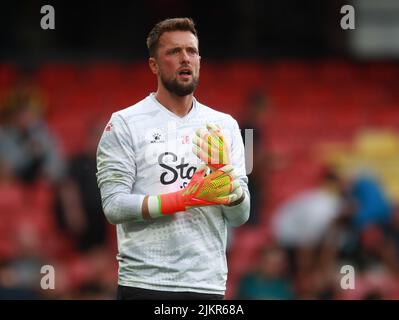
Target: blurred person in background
(29,155)
(371,214)
(367,240)
(270,279)
(372,204)
(257,110)
(78,208)
(301,222)
(358,236)
(301,225)
(25,140)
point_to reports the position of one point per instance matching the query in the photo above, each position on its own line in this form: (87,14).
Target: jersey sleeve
(238,214)
(116,172)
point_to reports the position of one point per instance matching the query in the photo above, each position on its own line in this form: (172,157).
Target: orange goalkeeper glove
(211,147)
(215,189)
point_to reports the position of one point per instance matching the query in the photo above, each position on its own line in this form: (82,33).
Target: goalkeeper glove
(215,189)
(211,147)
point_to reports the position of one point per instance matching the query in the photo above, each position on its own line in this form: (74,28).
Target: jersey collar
(170,113)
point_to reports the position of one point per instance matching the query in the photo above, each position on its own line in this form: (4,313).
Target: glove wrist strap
(171,203)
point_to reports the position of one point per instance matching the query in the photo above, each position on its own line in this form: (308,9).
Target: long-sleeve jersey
(147,150)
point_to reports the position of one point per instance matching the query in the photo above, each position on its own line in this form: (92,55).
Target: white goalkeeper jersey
(147,150)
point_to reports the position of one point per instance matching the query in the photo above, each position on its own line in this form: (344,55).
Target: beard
(180,89)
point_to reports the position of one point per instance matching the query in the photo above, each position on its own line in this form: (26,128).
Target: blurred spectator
(270,279)
(372,205)
(371,214)
(78,207)
(303,220)
(25,141)
(357,236)
(302,226)
(256,112)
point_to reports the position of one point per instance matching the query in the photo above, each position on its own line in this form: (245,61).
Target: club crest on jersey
(108,127)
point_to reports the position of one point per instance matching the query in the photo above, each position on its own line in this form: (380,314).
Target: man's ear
(153,65)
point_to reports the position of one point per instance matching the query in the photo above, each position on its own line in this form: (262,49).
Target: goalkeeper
(170,181)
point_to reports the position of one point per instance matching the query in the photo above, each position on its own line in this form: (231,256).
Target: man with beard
(171,215)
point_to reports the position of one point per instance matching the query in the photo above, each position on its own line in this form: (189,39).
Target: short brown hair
(176,24)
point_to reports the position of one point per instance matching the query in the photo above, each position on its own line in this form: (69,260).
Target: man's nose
(184,56)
